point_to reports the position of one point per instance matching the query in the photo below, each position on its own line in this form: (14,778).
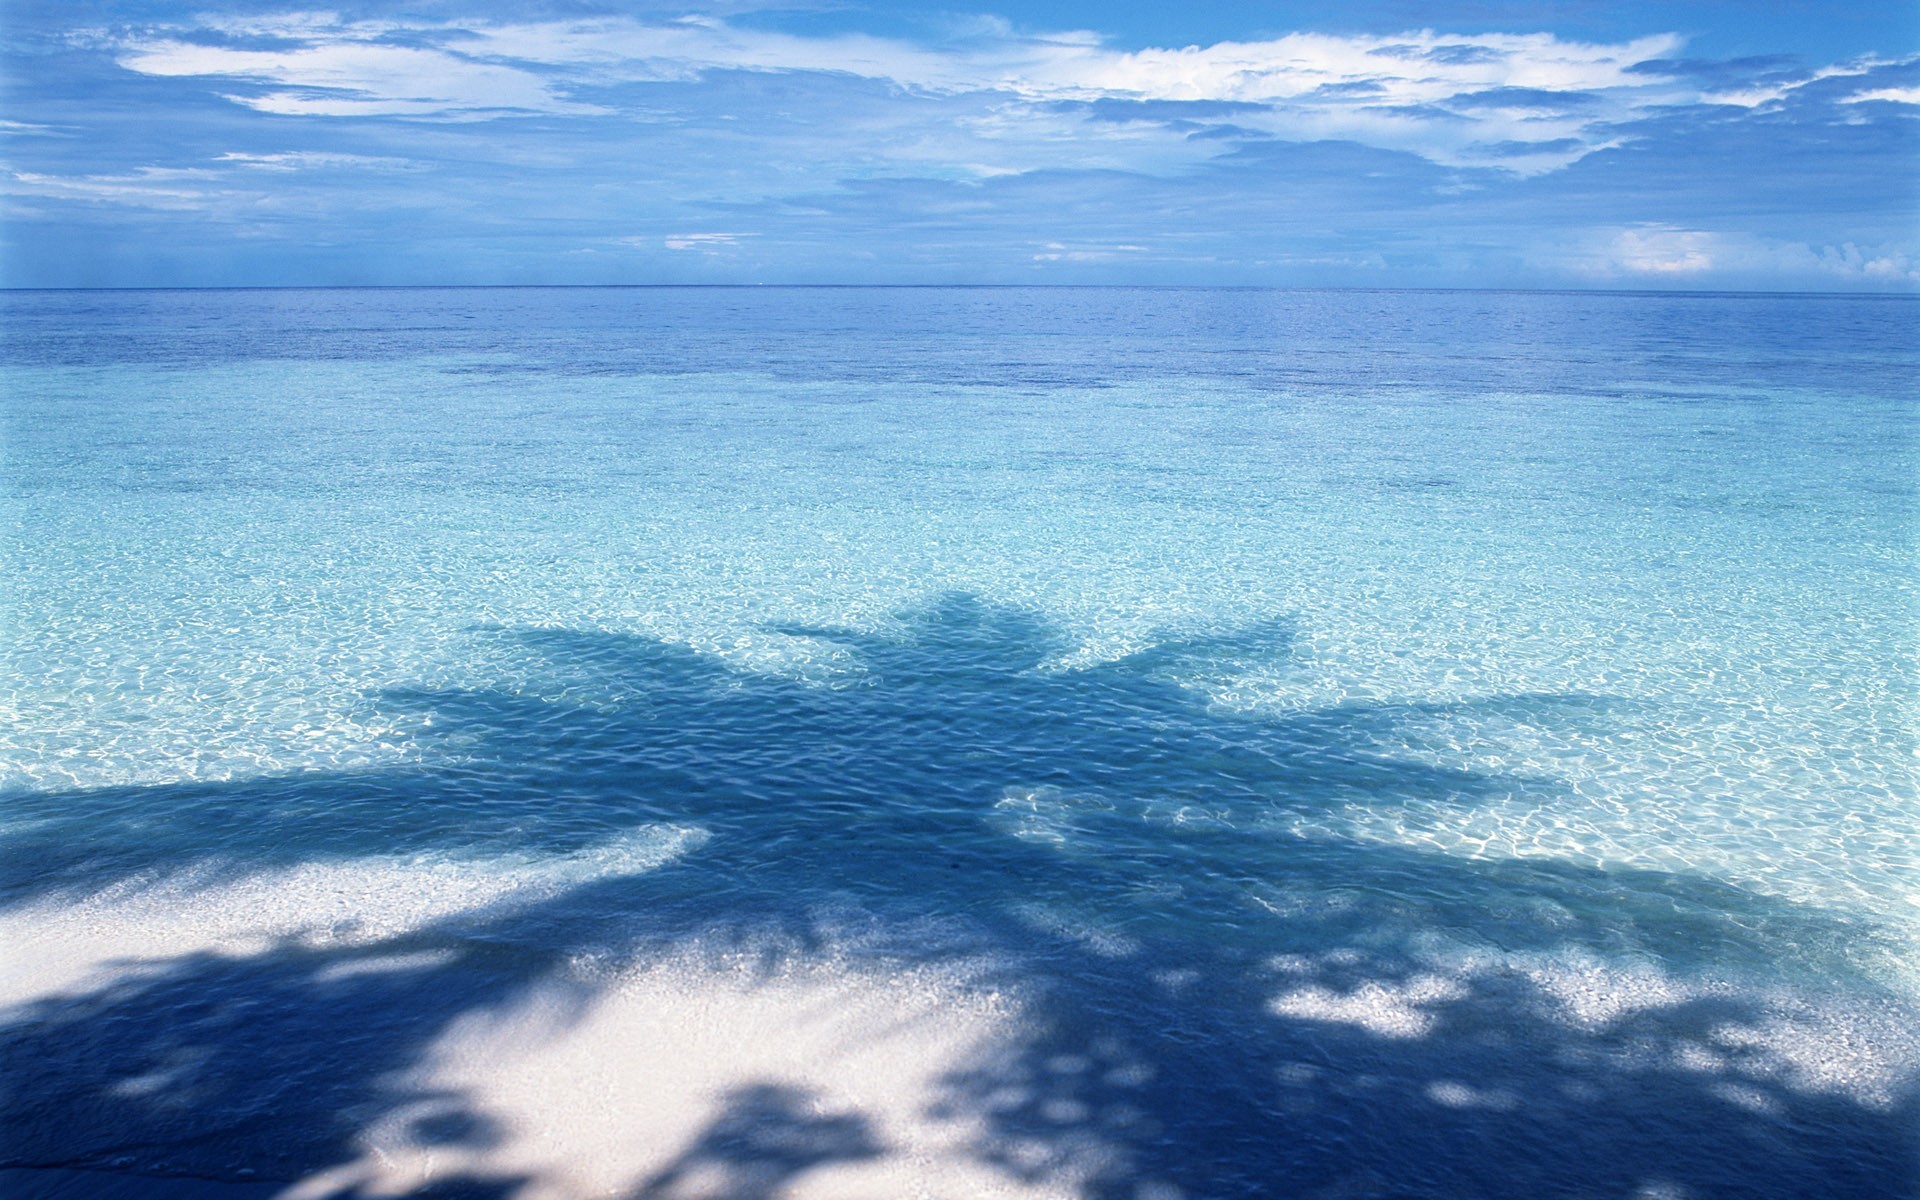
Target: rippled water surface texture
(1105,744)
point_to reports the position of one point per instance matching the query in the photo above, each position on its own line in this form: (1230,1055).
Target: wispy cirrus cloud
(230,181)
(1890,95)
(705,243)
(30,129)
(306,160)
(1083,252)
(145,187)
(457,140)
(1541,100)
(350,74)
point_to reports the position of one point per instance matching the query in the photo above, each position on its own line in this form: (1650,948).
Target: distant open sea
(1111,744)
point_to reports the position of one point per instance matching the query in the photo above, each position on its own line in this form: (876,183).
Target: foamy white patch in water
(64,944)
(700,1076)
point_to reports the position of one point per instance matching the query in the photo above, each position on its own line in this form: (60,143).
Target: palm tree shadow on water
(1212,1005)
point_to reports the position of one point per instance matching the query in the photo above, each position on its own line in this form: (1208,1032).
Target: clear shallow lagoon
(841,742)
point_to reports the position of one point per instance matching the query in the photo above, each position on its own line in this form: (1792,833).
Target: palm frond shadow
(1117,846)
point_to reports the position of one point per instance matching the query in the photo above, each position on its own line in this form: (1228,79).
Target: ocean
(1123,744)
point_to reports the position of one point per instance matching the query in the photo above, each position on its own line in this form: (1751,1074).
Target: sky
(1699,144)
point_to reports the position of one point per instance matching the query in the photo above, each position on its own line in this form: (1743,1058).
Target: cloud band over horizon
(324,148)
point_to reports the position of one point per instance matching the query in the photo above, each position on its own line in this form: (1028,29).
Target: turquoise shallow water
(1407,743)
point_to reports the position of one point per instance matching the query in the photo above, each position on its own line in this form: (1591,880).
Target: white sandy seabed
(608,1080)
(604,1080)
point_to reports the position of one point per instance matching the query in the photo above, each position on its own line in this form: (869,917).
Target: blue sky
(1701,144)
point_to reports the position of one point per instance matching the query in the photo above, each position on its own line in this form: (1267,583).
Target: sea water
(834,742)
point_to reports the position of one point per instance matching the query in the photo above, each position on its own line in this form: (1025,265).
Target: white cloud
(1067,252)
(1876,263)
(1897,95)
(1671,253)
(29,129)
(1423,92)
(706,243)
(1415,68)
(301,160)
(147,187)
(1662,250)
(233,182)
(1756,95)
(347,75)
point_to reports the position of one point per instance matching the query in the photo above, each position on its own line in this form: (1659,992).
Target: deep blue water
(1345,743)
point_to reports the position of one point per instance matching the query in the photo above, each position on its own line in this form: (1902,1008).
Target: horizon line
(1159,287)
